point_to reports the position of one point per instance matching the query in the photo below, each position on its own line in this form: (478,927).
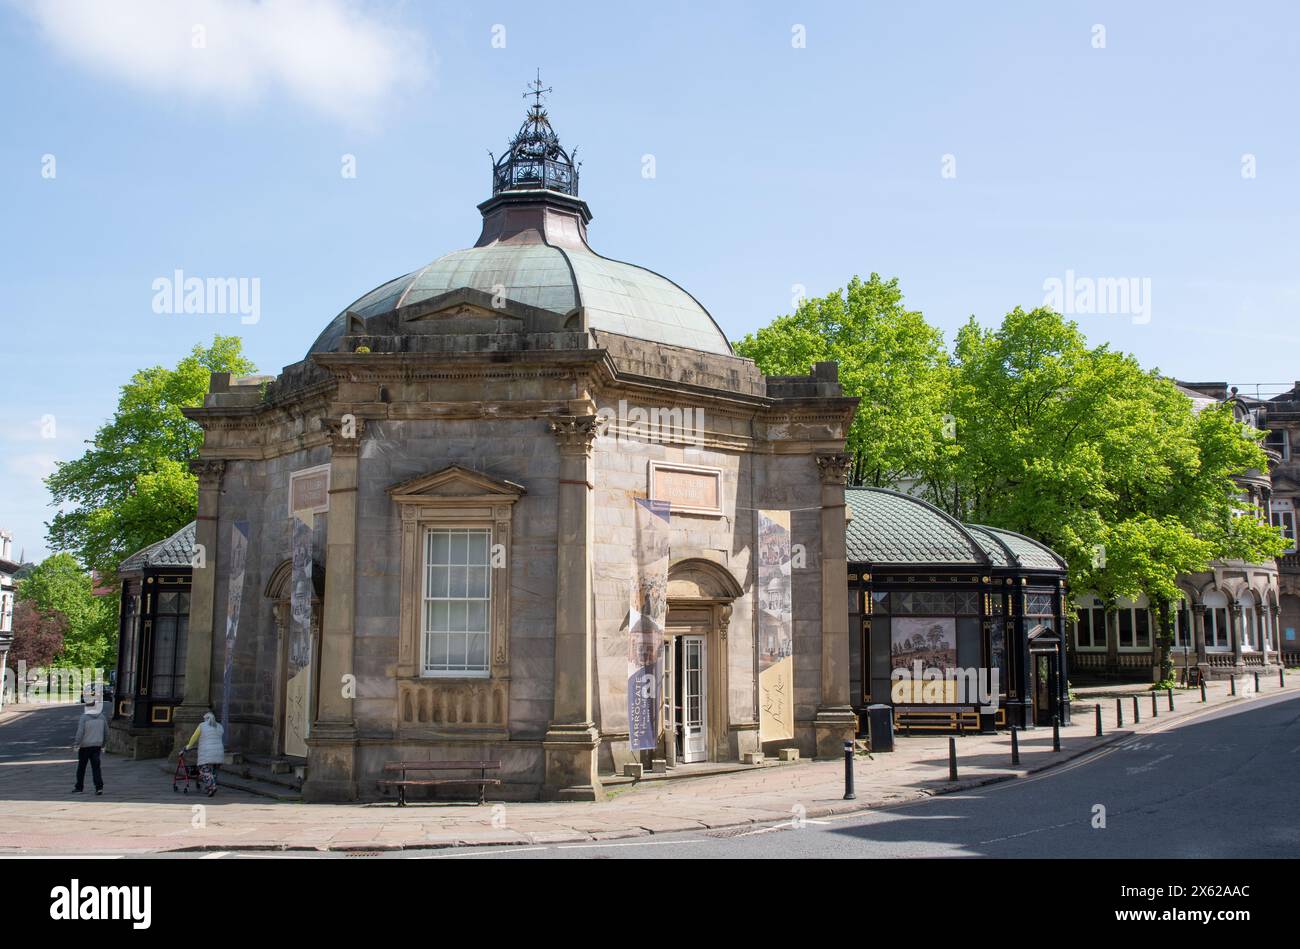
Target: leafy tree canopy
(888,356)
(59,585)
(132,486)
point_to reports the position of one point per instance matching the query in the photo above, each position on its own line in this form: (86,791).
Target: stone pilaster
(571,740)
(332,741)
(836,723)
(203,592)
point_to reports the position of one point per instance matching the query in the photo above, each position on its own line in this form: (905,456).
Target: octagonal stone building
(447,531)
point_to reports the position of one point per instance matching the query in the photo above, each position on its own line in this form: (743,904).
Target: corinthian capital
(833,467)
(575,433)
(209,471)
(345,432)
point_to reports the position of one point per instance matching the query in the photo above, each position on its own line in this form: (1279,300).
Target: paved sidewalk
(140,814)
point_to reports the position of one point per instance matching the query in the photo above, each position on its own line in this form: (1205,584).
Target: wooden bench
(949,718)
(404,768)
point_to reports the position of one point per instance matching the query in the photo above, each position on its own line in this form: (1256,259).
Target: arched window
(1134,623)
(1217,631)
(1089,623)
(1249,622)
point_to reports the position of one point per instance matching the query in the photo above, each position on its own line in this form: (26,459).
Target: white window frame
(1212,626)
(428,602)
(1282,514)
(1085,605)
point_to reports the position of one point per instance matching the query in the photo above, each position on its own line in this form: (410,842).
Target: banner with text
(234,600)
(775,628)
(646,621)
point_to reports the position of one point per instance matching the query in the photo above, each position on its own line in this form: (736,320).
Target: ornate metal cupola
(535,159)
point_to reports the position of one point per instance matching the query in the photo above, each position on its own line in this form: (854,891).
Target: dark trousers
(91,755)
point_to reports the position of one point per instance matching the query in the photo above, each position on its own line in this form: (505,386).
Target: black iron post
(1056,733)
(1119,713)
(1015,745)
(1137,713)
(1256,681)
(1232,683)
(952,759)
(1155,709)
(1098,708)
(1171,700)
(848,772)
(1202,690)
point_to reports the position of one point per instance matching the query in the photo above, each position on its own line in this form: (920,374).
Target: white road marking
(215,855)
(631,843)
(473,853)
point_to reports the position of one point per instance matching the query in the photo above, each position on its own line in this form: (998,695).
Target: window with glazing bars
(457,597)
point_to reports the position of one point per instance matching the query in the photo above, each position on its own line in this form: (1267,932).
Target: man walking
(92,729)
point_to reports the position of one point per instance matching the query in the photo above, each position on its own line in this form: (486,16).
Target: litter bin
(880,724)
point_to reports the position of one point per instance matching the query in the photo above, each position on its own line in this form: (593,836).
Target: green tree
(59,585)
(132,487)
(888,356)
(1104,461)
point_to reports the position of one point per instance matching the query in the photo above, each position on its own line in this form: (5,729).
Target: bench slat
(431,781)
(442,766)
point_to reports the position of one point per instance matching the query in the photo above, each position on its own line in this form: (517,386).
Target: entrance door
(1044,666)
(691,677)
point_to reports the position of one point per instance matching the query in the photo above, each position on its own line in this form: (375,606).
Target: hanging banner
(234,599)
(775,628)
(297,720)
(300,593)
(646,621)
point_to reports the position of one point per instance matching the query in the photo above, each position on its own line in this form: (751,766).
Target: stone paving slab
(140,814)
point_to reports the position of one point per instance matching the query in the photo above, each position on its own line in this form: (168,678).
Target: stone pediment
(465,304)
(456,483)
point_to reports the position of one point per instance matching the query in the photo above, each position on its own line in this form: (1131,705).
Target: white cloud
(337,57)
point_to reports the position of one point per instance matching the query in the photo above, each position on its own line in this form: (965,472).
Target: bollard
(1202,690)
(1056,733)
(1171,700)
(1119,713)
(1098,708)
(952,759)
(1232,683)
(1281,676)
(1137,713)
(1256,681)
(1015,745)
(1155,709)
(848,772)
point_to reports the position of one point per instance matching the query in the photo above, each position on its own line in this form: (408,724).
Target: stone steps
(276,778)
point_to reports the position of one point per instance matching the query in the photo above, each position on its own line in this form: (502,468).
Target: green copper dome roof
(889,527)
(615,296)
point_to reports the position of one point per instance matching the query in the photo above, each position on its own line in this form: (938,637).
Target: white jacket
(209,736)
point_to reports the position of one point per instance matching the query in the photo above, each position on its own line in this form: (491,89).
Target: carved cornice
(575,433)
(833,467)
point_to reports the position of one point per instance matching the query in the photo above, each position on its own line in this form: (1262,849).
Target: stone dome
(533,251)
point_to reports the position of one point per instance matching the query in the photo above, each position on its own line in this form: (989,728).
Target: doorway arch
(696,715)
(295,681)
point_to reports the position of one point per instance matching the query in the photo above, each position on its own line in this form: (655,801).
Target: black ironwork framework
(535,158)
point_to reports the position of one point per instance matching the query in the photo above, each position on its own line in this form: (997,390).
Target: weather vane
(536,91)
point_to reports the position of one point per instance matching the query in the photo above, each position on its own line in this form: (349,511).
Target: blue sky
(776,165)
